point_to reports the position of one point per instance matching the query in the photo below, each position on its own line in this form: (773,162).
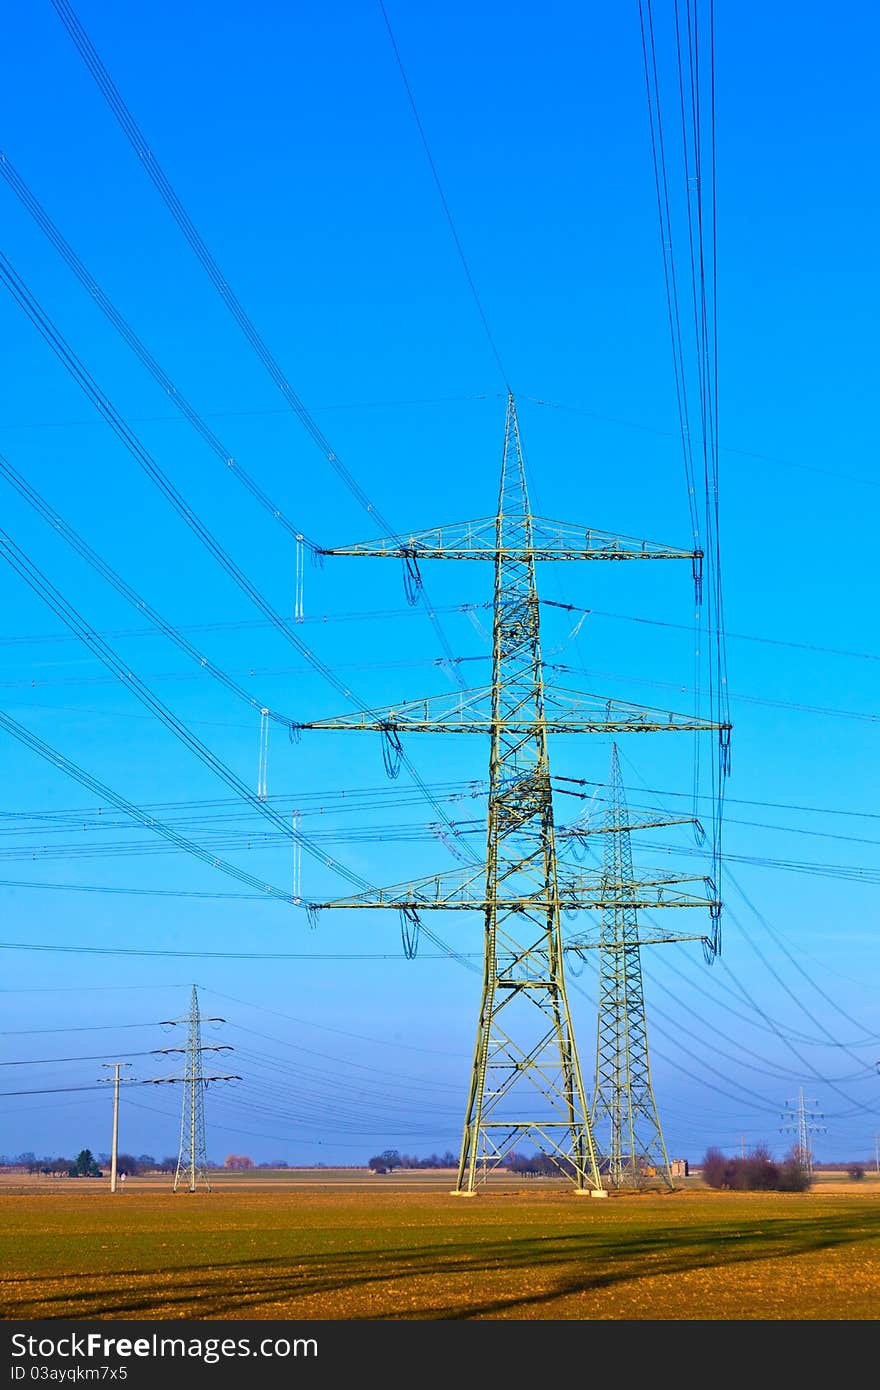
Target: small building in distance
(679,1167)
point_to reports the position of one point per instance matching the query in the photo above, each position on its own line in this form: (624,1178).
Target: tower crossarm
(539,539)
(581,832)
(183,1080)
(564,711)
(652,936)
(464,890)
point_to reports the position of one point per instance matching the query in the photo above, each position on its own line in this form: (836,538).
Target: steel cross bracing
(624,1115)
(192,1160)
(526,1082)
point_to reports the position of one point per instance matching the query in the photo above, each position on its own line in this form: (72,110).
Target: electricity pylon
(192,1158)
(802,1122)
(526,1078)
(624,1108)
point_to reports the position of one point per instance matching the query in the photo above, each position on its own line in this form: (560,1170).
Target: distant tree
(127,1163)
(856,1172)
(84,1165)
(238,1161)
(386,1161)
(167,1165)
(146,1163)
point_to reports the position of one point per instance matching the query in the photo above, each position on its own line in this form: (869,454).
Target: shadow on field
(366,1283)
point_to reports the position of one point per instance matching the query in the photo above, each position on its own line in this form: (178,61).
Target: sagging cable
(412,576)
(392,752)
(410,927)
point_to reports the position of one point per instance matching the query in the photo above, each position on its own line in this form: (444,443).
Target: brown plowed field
(365,1249)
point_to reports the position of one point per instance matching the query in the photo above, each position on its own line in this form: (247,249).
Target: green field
(391,1252)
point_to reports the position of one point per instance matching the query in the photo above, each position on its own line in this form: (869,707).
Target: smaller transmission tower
(192,1159)
(624,1115)
(802,1122)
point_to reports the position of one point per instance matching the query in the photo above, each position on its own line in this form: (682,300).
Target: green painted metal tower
(526,1083)
(624,1111)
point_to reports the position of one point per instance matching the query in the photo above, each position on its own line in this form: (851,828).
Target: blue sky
(286,133)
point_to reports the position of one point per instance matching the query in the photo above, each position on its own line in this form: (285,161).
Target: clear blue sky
(286,133)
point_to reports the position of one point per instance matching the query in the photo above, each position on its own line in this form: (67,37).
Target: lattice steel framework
(192,1161)
(624,1114)
(526,1082)
(802,1121)
(192,1157)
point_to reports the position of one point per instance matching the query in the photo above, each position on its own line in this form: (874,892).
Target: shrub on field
(756,1172)
(856,1172)
(793,1176)
(57,1167)
(714,1168)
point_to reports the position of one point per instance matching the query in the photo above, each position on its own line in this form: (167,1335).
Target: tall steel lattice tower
(624,1114)
(526,1081)
(802,1120)
(192,1158)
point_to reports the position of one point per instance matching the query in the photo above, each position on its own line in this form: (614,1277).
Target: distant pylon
(802,1122)
(624,1111)
(192,1157)
(192,1161)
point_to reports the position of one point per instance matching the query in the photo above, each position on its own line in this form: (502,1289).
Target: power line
(446,954)
(79,1028)
(41,585)
(787,1041)
(773,1026)
(151,166)
(359,800)
(249,625)
(794,961)
(250,414)
(233,467)
(94,560)
(824,710)
(737,801)
(326,1027)
(443,200)
(37,745)
(723,448)
(736,636)
(94,1057)
(144,459)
